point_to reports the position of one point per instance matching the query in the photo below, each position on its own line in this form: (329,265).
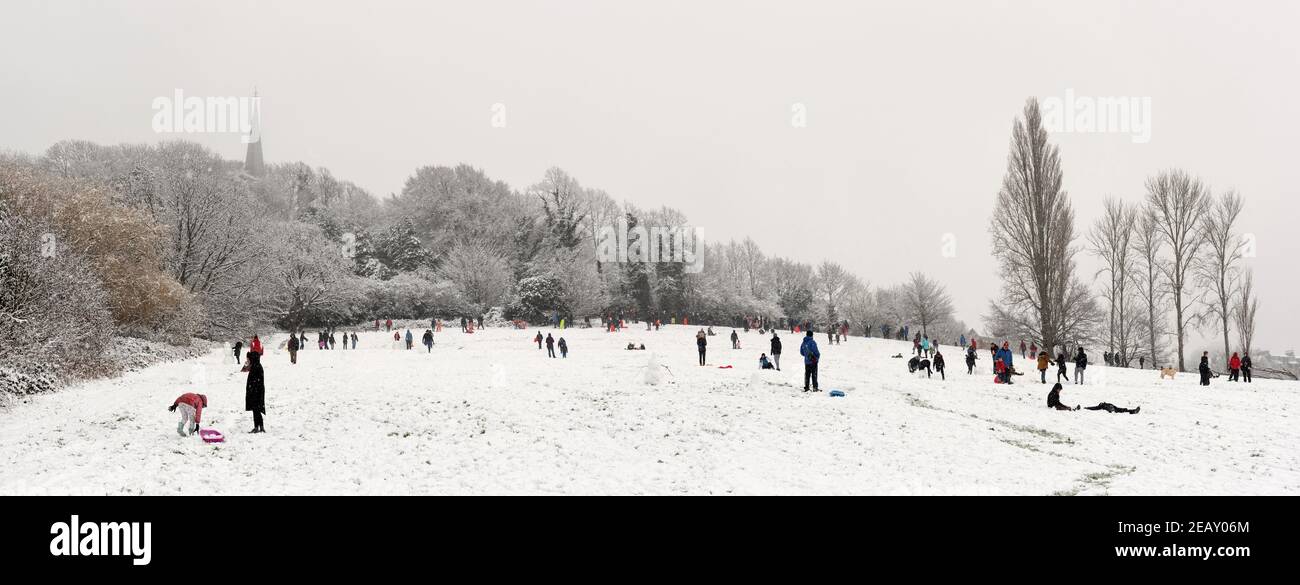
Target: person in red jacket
(191,406)
(256,345)
(1234,368)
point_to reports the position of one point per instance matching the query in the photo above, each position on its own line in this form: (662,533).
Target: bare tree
(927,301)
(1033,237)
(751,264)
(1151,290)
(1180,203)
(1111,240)
(1218,270)
(1244,312)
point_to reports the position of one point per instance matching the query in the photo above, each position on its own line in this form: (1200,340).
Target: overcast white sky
(688,104)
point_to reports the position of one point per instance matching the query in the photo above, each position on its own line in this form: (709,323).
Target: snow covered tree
(538,298)
(564,205)
(313,283)
(480,274)
(452,204)
(830,283)
(926,300)
(399,248)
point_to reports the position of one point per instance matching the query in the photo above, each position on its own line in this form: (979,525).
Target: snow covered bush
(53,310)
(539,296)
(123,246)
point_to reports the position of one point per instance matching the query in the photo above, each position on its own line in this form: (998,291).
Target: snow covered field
(489,413)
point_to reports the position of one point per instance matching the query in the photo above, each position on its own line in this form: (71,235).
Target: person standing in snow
(1245,367)
(925,346)
(334,341)
(302,339)
(191,406)
(293,348)
(1205,369)
(916,344)
(1080,364)
(970,359)
(427,340)
(538,339)
(238,347)
(354,340)
(255,391)
(1043,362)
(701,343)
(1234,368)
(938,365)
(410,339)
(564,348)
(1060,367)
(550,346)
(1023,349)
(776,350)
(735,340)
(808,349)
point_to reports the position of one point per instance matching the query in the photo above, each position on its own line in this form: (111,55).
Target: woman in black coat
(255,391)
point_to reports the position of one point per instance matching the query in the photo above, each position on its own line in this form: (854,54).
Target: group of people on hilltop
(807,349)
(1239,368)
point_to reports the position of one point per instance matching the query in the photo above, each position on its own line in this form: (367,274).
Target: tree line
(1171,261)
(170,240)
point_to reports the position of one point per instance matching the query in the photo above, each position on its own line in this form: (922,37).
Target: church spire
(253,157)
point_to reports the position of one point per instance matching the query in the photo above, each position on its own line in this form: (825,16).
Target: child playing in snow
(191,407)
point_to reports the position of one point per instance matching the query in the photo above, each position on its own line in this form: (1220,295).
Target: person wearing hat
(810,358)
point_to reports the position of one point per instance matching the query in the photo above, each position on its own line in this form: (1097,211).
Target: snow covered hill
(490,413)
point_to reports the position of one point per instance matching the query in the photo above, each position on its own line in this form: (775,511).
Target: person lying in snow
(191,406)
(1054,401)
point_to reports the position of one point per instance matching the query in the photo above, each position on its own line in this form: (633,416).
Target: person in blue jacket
(810,358)
(1005,354)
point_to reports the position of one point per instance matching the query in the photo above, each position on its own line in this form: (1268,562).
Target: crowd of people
(926,357)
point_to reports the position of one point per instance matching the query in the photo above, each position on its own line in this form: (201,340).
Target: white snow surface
(489,413)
